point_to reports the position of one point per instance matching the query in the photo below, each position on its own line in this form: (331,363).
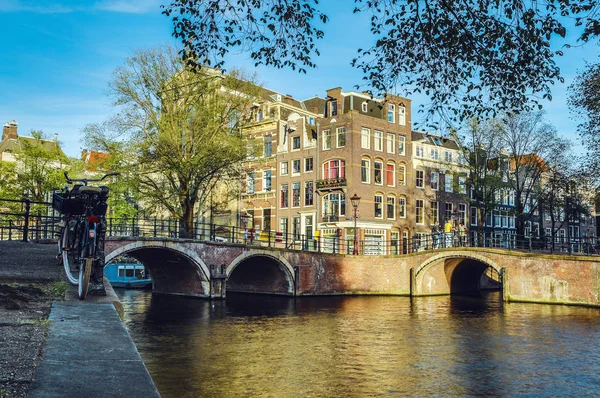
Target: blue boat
(128,274)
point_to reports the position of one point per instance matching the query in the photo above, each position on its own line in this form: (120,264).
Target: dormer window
(391,113)
(333,108)
(364,107)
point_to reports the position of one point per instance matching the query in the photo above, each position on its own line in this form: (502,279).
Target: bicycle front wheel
(70,257)
(84,277)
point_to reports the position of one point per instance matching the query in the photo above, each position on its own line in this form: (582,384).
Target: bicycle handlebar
(86,180)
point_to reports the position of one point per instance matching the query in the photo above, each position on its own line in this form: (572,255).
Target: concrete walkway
(90,354)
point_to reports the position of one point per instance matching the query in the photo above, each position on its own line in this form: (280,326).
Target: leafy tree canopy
(473,58)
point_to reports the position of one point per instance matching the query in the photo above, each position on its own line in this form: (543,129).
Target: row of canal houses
(314,155)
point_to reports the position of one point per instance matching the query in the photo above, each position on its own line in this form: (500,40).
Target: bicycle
(84,209)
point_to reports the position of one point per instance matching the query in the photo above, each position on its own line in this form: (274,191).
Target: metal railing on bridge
(28,220)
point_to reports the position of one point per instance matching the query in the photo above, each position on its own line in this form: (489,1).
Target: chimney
(10,131)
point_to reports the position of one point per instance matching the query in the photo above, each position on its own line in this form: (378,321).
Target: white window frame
(420,213)
(378,140)
(401,115)
(326,133)
(375,201)
(367,174)
(365,138)
(402,206)
(449,182)
(284,171)
(402,172)
(387,208)
(296,162)
(421,178)
(401,145)
(391,113)
(434,176)
(339,132)
(390,142)
(312,164)
(364,107)
(381,170)
(393,184)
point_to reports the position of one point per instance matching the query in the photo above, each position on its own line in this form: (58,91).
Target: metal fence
(28,220)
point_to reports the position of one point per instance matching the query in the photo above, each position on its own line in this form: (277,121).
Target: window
(434,180)
(267,180)
(401,174)
(435,212)
(449,182)
(250,182)
(334,169)
(378,140)
(420,181)
(266,219)
(434,154)
(378,169)
(401,115)
(284,168)
(296,142)
(334,204)
(391,142)
(401,144)
(462,185)
(419,219)
(365,171)
(283,225)
(364,107)
(391,208)
(308,193)
(296,228)
(296,194)
(462,213)
(308,165)
(402,207)
(341,137)
(420,152)
(390,173)
(365,138)
(259,115)
(378,206)
(333,108)
(391,113)
(548,231)
(295,166)
(326,139)
(284,202)
(268,145)
(448,211)
(474,216)
(448,156)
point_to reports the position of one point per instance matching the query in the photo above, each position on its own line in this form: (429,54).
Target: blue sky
(56,58)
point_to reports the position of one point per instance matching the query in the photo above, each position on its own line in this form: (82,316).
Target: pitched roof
(94,160)
(433,139)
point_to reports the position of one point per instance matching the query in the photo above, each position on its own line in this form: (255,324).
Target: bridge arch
(260,271)
(455,272)
(174,268)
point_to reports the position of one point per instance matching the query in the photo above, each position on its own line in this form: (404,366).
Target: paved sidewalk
(90,354)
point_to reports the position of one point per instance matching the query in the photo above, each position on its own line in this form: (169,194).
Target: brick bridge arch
(278,285)
(188,274)
(454,272)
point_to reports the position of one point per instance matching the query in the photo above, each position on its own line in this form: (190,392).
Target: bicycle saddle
(86,189)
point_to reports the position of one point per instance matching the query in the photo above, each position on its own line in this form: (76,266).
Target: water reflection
(363,346)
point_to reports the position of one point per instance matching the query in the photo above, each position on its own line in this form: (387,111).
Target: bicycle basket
(67,205)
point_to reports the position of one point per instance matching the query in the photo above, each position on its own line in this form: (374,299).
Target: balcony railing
(331,183)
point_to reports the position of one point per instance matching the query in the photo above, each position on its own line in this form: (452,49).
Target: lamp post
(355,200)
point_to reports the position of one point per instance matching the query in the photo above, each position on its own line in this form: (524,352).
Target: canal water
(250,346)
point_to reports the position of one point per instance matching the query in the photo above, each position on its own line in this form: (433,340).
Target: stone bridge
(209,269)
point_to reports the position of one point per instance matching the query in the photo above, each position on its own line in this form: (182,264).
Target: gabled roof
(15,145)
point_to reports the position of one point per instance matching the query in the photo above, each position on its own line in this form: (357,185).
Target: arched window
(365,171)
(391,207)
(401,175)
(334,169)
(402,207)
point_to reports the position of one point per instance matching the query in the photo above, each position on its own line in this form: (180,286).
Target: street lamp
(355,200)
